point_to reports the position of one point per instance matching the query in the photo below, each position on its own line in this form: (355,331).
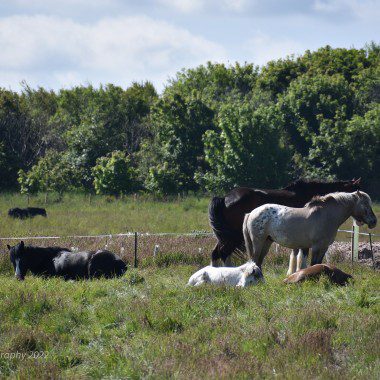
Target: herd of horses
(304,215)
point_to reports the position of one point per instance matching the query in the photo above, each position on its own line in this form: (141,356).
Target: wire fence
(136,246)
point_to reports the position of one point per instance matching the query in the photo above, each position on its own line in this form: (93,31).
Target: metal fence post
(135,260)
(356,242)
(370,244)
(352,245)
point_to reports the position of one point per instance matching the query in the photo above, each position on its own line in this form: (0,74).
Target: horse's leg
(215,255)
(263,252)
(317,255)
(226,254)
(228,261)
(292,263)
(305,254)
(302,259)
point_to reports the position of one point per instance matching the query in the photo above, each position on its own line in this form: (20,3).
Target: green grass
(150,324)
(76,215)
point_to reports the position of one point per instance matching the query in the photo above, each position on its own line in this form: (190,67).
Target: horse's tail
(247,237)
(217,220)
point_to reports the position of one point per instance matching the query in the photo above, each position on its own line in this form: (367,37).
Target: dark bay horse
(61,262)
(226,214)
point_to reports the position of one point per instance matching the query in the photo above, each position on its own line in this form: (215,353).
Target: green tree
(176,151)
(102,120)
(114,174)
(310,102)
(248,150)
(213,83)
(52,172)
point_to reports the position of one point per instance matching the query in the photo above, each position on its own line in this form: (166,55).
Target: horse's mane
(322,200)
(302,183)
(45,250)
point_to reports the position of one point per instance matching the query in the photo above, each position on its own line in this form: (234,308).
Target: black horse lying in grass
(29,212)
(58,261)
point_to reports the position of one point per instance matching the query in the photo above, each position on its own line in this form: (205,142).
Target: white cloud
(54,4)
(262,48)
(236,5)
(365,9)
(184,6)
(61,52)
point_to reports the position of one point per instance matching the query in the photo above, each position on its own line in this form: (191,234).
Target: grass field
(76,214)
(149,324)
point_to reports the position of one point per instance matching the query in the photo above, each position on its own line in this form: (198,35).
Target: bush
(114,174)
(53,172)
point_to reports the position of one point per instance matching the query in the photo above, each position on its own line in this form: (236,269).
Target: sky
(62,43)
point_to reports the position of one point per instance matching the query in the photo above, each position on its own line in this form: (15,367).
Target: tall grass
(150,324)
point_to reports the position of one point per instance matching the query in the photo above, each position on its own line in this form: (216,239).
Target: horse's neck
(41,261)
(339,212)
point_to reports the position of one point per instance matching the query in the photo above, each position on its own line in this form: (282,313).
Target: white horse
(313,226)
(246,274)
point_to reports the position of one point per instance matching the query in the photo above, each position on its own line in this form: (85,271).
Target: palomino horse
(226,214)
(313,226)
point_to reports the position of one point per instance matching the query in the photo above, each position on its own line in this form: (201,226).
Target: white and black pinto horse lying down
(247,274)
(61,262)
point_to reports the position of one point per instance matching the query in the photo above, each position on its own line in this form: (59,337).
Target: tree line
(212,128)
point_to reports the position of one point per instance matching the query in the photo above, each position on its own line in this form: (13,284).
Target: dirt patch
(341,251)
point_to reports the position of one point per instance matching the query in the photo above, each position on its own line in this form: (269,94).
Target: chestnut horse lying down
(335,275)
(246,274)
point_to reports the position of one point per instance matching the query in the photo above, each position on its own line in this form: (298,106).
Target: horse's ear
(9,247)
(22,244)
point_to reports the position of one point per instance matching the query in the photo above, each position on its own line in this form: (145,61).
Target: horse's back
(107,264)
(281,223)
(72,265)
(33,211)
(198,275)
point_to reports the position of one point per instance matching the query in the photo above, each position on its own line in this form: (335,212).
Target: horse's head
(350,186)
(19,259)
(251,274)
(363,213)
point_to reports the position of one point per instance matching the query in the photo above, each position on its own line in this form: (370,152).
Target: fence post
(370,244)
(135,260)
(355,244)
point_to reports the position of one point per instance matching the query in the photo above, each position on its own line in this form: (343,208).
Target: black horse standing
(226,214)
(58,261)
